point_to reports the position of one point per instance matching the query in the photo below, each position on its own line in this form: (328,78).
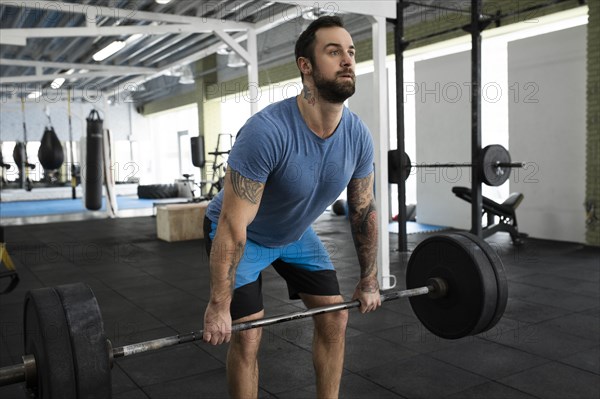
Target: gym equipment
(74,168)
(455,283)
(339,207)
(506,212)
(94,164)
(218,166)
(50,153)
(6,261)
(197,145)
(494,168)
(20,155)
(157,191)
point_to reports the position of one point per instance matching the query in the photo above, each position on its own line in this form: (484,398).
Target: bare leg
(328,345)
(242,363)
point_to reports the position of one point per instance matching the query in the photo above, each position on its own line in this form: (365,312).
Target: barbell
(455,283)
(494,168)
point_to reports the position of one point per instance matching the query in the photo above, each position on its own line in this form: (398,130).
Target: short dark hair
(305,45)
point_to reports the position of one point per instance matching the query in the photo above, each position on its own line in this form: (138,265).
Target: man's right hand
(217,324)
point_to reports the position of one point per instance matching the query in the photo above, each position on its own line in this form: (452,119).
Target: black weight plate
(46,337)
(501,282)
(470,303)
(397,174)
(88,341)
(407,166)
(490,157)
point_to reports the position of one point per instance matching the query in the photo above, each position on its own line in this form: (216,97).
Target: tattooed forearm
(244,188)
(363,220)
(224,259)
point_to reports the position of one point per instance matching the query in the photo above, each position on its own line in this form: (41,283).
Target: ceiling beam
(260,27)
(377,8)
(4,80)
(74,65)
(92,11)
(104,31)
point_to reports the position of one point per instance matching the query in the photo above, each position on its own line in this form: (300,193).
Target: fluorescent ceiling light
(187,77)
(163,1)
(34,94)
(56,83)
(109,50)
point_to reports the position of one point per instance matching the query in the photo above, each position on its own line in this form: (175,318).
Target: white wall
(547,128)
(443,134)
(158,159)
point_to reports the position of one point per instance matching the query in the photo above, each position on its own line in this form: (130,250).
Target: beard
(333,90)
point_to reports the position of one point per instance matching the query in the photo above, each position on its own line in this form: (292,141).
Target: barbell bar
(467,165)
(494,167)
(455,284)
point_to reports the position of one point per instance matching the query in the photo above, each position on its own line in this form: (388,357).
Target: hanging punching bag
(198,151)
(93,167)
(50,153)
(20,157)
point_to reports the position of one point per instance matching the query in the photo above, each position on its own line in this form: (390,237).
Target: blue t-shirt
(303,173)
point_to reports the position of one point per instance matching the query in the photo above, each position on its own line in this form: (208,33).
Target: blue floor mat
(64,206)
(414,228)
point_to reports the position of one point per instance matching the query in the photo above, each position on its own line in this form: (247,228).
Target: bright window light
(57,83)
(34,94)
(109,50)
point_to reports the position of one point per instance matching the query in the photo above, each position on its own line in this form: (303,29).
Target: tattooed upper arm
(244,188)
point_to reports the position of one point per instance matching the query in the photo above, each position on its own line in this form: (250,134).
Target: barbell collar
(12,374)
(30,370)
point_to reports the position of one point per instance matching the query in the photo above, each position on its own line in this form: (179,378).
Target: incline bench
(506,213)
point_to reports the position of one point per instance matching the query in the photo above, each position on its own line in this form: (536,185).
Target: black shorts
(247,298)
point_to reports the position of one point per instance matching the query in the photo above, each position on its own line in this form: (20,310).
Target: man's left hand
(367,292)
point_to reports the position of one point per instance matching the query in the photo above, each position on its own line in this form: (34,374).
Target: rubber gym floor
(547,345)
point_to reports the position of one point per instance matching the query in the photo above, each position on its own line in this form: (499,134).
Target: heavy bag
(198,151)
(93,165)
(50,153)
(19,155)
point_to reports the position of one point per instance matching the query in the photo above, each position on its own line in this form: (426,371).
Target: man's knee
(332,326)
(245,344)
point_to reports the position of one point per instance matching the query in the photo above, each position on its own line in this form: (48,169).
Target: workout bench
(506,213)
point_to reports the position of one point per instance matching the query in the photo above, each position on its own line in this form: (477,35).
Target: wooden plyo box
(180,222)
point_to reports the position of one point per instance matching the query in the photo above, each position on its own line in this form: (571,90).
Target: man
(289,162)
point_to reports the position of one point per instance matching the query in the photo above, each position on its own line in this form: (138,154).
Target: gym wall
(443,134)
(549,131)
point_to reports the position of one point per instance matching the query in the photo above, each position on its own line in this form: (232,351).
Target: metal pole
(71,143)
(398,52)
(477,204)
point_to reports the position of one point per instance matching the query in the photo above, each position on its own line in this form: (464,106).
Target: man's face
(334,63)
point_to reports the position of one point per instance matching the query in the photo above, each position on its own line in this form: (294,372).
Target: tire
(157,191)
